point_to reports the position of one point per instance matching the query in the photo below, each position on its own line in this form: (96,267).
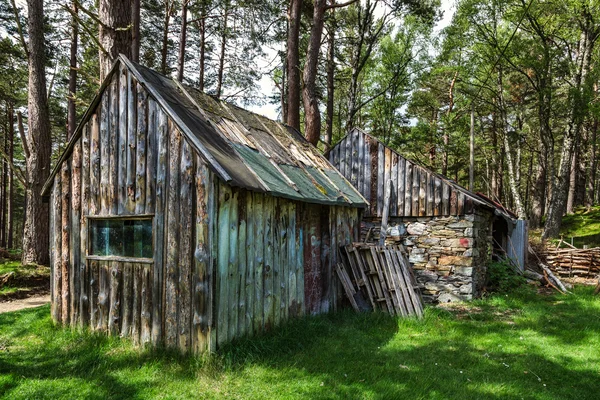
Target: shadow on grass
(332,356)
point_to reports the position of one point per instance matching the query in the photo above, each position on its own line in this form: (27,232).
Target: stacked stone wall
(449,254)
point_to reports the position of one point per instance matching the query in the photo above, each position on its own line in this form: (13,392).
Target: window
(121,237)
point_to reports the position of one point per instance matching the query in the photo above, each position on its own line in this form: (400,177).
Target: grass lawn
(521,346)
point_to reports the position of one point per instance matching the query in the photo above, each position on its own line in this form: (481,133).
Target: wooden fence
(583,263)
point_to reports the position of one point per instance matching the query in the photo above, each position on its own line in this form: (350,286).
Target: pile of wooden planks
(573,262)
(379,278)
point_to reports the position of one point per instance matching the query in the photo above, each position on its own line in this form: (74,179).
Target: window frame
(136,217)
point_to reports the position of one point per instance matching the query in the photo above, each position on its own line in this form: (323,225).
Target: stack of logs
(379,278)
(573,262)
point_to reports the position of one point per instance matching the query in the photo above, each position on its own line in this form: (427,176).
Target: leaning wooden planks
(382,275)
(573,262)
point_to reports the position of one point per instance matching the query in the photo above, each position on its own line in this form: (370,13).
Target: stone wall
(449,254)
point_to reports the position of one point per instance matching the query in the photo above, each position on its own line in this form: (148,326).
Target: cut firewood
(553,279)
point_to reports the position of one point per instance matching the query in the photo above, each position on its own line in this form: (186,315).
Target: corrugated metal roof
(245,149)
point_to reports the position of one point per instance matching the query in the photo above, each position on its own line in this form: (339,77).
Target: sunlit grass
(505,347)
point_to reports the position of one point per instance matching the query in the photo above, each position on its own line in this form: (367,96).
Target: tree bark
(35,232)
(165,40)
(182,39)
(293,65)
(135,32)
(220,71)
(114,32)
(312,115)
(591,183)
(202,45)
(330,81)
(560,187)
(11,195)
(71,109)
(446,138)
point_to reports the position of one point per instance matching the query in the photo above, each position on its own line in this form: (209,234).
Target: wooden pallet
(383,275)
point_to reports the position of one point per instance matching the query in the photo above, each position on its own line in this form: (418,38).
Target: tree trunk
(312,115)
(114,32)
(222,55)
(35,232)
(202,45)
(135,33)
(71,110)
(165,39)
(560,187)
(3,187)
(330,81)
(11,188)
(591,183)
(182,39)
(446,137)
(293,65)
(573,176)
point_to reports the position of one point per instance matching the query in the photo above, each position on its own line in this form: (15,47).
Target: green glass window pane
(128,237)
(121,237)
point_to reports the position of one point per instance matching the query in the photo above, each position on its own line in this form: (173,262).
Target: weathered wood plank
(113,142)
(276,266)
(292,280)
(185,241)
(136,313)
(401,181)
(360,174)
(114,313)
(103,295)
(94,280)
(249,256)
(126,315)
(374,155)
(445,199)
(123,109)
(223,230)
(173,232)
(83,228)
(283,259)
(259,261)
(299,251)
(158,227)
(380,177)
(438,196)
(131,143)
(387,172)
(56,208)
(423,192)
(201,286)
(146,306)
(66,284)
(104,120)
(430,189)
(394,182)
(415,191)
(151,156)
(461,204)
(354,158)
(241,276)
(95,151)
(367,173)
(453,202)
(232,280)
(75,242)
(268,301)
(408,189)
(140,158)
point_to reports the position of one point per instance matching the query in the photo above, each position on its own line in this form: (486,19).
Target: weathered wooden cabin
(450,232)
(183,220)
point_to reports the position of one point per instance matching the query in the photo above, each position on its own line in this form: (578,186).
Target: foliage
(520,345)
(583,226)
(503,278)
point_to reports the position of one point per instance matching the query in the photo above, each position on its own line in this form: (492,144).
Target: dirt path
(20,304)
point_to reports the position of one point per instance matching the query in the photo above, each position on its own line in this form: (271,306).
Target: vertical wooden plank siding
(374,154)
(172,226)
(75,240)
(186,227)
(250,264)
(122,173)
(84,301)
(114,318)
(380,177)
(387,173)
(104,120)
(240,279)
(94,207)
(430,189)
(408,189)
(140,158)
(66,228)
(259,262)
(422,192)
(201,288)
(224,193)
(113,152)
(268,317)
(162,161)
(151,156)
(56,242)
(360,174)
(231,277)
(394,182)
(401,182)
(354,158)
(131,143)
(415,191)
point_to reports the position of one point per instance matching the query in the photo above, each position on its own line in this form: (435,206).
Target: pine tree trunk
(135,33)
(312,115)
(220,71)
(165,39)
(330,82)
(11,195)
(3,187)
(293,65)
(35,230)
(591,182)
(114,32)
(202,45)
(71,110)
(182,39)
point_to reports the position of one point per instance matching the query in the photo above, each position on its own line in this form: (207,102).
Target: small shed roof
(243,148)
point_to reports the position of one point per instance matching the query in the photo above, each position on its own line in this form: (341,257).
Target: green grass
(9,266)
(18,280)
(583,226)
(521,346)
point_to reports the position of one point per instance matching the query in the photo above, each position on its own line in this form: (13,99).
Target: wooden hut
(450,232)
(183,220)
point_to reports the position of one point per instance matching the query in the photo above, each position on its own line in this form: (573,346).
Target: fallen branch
(553,280)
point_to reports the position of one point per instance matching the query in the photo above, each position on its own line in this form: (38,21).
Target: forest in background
(520,75)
